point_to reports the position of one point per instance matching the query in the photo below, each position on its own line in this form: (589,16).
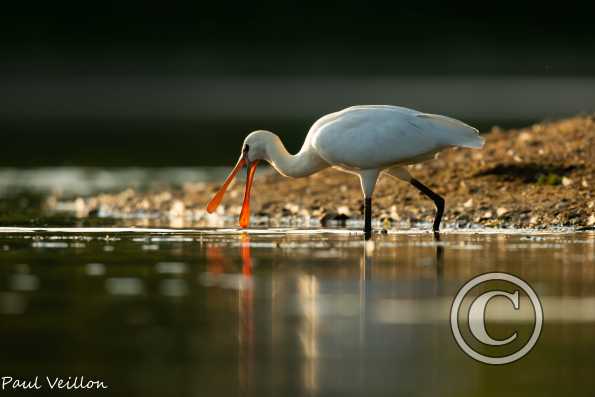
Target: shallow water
(285,312)
(73,181)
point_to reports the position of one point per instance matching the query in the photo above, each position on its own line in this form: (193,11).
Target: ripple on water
(173,239)
(226,281)
(171,267)
(173,287)
(22,268)
(532,246)
(95,269)
(24,282)
(49,244)
(129,286)
(12,303)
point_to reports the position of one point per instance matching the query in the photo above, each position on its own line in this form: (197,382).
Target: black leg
(368,218)
(438,201)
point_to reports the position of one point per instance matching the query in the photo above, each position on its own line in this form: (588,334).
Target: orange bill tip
(245,214)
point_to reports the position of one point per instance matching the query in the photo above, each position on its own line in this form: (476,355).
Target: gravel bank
(536,177)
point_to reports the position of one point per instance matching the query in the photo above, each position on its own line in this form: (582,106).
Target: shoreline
(537,177)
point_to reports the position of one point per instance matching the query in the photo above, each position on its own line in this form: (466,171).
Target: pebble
(333,216)
(177,209)
(525,137)
(566,181)
(292,208)
(344,210)
(501,211)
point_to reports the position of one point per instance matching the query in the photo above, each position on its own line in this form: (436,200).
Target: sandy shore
(538,177)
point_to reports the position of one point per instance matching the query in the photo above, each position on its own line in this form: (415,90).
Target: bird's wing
(450,131)
(380,136)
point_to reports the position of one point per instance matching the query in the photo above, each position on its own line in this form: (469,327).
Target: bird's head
(255,145)
(254,149)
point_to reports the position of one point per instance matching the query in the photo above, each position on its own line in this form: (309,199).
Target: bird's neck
(304,163)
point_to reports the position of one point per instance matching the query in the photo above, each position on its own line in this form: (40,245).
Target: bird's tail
(455,132)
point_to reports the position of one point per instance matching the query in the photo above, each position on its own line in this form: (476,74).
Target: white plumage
(364,140)
(377,136)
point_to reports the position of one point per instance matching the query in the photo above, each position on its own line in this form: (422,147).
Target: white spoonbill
(363,140)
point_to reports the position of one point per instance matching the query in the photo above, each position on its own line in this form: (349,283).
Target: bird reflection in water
(308,329)
(366,261)
(311,303)
(215,260)
(439,257)
(221,266)
(246,332)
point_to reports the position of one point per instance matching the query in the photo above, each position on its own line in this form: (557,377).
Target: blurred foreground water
(284,312)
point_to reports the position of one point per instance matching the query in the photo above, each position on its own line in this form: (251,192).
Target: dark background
(140,83)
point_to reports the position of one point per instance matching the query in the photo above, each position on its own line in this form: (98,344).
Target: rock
(501,211)
(286,212)
(81,208)
(291,208)
(525,137)
(566,181)
(341,218)
(468,203)
(344,210)
(561,205)
(177,209)
(574,214)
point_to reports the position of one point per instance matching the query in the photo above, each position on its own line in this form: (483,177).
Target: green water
(281,312)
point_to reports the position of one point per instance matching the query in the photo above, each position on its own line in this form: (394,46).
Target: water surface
(284,312)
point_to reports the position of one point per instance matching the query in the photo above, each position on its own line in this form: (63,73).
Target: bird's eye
(246,148)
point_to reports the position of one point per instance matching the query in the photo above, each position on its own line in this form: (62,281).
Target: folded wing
(379,136)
